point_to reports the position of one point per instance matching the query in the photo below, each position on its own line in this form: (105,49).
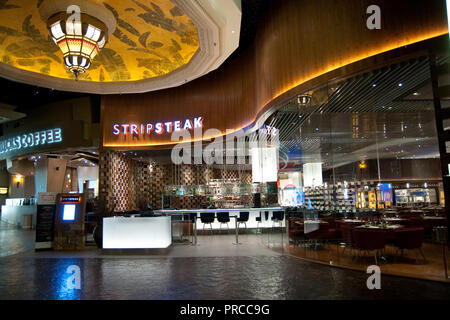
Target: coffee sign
(29,140)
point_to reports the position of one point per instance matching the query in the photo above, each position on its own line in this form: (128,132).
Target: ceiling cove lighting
(448,14)
(79,36)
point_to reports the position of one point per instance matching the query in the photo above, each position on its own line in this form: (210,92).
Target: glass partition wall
(360,173)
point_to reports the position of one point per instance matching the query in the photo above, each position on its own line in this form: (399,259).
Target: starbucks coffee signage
(29,140)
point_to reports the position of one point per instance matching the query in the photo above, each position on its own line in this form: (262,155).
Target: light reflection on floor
(222,272)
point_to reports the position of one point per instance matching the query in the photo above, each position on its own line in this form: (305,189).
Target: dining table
(393,219)
(388,229)
(378,227)
(350,220)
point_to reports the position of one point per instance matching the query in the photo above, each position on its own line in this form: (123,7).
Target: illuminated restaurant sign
(29,140)
(158,127)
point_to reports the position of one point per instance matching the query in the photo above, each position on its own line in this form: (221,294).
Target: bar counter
(251,223)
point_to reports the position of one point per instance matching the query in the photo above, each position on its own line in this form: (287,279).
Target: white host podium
(137,232)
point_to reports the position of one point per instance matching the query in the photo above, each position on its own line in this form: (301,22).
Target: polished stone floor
(14,240)
(213,270)
(253,277)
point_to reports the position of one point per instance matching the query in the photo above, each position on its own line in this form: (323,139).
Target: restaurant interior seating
(207,218)
(278,217)
(347,238)
(369,240)
(243,218)
(258,219)
(223,218)
(410,239)
(296,230)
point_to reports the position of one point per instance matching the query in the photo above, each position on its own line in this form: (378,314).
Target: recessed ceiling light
(374,85)
(400,84)
(416,94)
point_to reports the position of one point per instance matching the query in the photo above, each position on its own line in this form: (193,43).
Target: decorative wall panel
(128,184)
(131,54)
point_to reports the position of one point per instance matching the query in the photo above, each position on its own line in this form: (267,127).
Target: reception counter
(266,222)
(137,232)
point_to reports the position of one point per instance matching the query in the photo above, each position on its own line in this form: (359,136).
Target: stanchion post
(236,231)
(195,230)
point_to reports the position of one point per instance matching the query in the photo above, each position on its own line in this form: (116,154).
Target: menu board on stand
(45,219)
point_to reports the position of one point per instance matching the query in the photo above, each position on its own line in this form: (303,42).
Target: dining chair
(347,238)
(369,240)
(296,230)
(410,239)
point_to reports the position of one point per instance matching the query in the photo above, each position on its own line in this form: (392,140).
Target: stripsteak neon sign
(158,127)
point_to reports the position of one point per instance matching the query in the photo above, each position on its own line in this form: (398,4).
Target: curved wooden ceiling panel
(298,43)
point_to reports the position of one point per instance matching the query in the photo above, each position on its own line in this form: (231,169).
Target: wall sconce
(18,178)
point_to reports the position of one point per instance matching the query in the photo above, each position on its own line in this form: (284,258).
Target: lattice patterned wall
(118,185)
(127,184)
(160,176)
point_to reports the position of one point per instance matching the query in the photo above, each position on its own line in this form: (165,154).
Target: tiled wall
(127,184)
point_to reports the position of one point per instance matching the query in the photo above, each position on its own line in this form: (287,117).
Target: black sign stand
(45,218)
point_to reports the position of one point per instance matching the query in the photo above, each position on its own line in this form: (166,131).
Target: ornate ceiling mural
(152,39)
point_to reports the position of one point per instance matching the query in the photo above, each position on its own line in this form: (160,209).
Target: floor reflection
(257,277)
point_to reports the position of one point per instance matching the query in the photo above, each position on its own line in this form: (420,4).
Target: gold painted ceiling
(152,38)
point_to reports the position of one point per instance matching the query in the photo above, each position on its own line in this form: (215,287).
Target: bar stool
(243,218)
(278,217)
(223,218)
(193,218)
(258,219)
(266,217)
(207,218)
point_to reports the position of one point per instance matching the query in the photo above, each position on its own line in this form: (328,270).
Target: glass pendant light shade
(79,41)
